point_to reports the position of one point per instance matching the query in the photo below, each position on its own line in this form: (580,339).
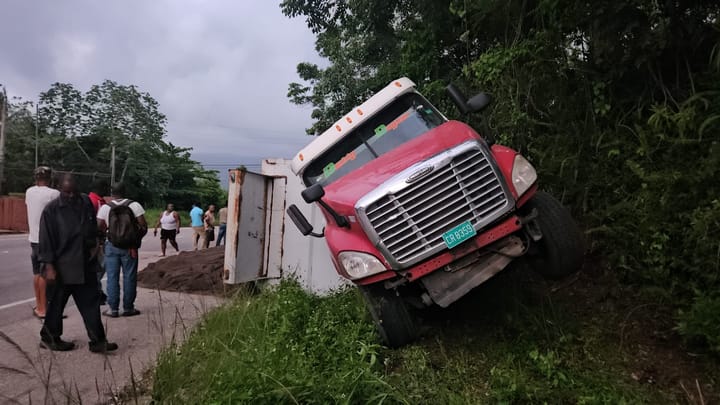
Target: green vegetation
(280,347)
(77,131)
(617,103)
(498,346)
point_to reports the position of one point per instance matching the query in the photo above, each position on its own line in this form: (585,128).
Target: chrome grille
(409,221)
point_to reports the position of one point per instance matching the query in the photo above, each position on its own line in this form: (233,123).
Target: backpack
(123,228)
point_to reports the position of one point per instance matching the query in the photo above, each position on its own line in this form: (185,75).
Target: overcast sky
(219,69)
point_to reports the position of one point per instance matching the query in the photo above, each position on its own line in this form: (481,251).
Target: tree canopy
(77,132)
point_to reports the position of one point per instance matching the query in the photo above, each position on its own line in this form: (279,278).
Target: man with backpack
(123,221)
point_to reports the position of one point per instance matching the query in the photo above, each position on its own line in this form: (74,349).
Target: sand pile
(192,272)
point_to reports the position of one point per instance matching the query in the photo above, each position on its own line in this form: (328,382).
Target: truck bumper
(510,225)
(450,284)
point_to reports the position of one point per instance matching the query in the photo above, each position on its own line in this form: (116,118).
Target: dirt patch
(198,272)
(630,330)
(642,325)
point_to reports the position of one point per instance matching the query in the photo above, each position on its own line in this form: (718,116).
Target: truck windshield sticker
(332,167)
(382,129)
(406,118)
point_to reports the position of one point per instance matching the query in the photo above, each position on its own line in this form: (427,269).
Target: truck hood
(346,191)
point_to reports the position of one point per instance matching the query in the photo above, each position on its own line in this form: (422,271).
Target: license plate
(459,234)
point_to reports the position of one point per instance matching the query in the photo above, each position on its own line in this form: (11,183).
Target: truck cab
(420,209)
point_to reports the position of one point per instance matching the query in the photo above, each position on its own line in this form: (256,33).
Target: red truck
(420,209)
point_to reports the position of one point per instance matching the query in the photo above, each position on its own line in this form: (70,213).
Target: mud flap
(447,285)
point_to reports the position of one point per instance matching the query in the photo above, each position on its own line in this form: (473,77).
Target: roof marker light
(338,128)
(359,111)
(301,157)
(349,120)
(398,84)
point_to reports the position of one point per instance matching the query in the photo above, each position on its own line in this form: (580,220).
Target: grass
(496,346)
(285,346)
(152,215)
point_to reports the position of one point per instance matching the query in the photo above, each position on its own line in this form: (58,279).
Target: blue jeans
(115,258)
(221,234)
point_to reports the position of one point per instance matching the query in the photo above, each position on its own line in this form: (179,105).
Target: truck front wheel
(561,248)
(395,324)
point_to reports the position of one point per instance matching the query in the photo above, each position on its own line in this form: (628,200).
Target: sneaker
(58,345)
(131,312)
(102,347)
(111,313)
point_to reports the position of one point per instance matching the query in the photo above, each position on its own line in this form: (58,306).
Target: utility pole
(37,126)
(3,124)
(112,165)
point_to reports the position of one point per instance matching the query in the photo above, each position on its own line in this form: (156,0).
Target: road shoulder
(29,374)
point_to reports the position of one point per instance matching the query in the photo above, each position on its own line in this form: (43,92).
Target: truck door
(256,206)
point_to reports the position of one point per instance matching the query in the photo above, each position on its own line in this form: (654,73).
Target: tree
(79,130)
(370,43)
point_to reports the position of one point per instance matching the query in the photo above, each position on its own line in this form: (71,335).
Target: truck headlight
(523,175)
(358,265)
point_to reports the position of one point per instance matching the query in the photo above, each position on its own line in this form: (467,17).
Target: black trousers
(87,300)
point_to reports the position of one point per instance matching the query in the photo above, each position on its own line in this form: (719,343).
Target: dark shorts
(166,234)
(34,258)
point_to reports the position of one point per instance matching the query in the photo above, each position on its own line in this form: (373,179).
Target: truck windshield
(406,118)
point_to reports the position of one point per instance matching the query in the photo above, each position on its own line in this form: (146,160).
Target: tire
(561,249)
(395,324)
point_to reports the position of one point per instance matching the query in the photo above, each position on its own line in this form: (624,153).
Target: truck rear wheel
(561,248)
(394,322)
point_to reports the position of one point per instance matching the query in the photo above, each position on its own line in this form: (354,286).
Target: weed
(283,346)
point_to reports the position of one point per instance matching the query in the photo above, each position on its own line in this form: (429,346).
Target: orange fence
(13,214)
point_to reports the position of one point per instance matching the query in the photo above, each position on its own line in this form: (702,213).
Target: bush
(702,321)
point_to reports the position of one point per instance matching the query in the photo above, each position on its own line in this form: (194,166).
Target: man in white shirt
(125,258)
(36,198)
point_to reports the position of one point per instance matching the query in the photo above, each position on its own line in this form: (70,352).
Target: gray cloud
(219,69)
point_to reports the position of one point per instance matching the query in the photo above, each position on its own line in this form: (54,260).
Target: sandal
(37,315)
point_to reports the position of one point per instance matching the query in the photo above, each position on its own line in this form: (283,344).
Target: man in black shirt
(68,250)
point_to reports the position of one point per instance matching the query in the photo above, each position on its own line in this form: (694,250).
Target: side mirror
(479,102)
(458,98)
(300,221)
(313,193)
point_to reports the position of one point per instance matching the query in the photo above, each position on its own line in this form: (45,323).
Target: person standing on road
(209,226)
(68,251)
(37,198)
(123,220)
(98,188)
(197,223)
(169,223)
(223,226)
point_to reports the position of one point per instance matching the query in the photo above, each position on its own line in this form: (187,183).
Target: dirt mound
(192,272)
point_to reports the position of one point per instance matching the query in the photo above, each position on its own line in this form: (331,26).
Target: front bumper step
(445,287)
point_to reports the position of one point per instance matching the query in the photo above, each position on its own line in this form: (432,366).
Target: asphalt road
(16,291)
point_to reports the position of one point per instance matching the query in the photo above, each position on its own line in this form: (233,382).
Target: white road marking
(13,236)
(16,303)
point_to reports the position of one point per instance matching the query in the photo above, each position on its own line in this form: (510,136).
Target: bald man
(68,252)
